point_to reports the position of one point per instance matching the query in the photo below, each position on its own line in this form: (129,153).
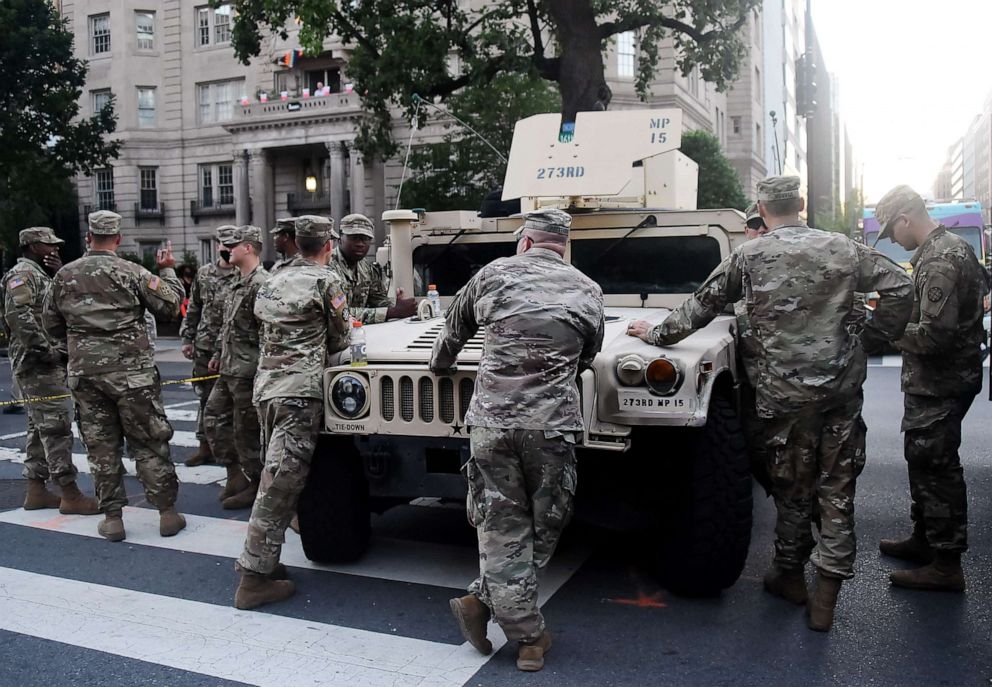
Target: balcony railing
(198,210)
(297,108)
(296,202)
(150,213)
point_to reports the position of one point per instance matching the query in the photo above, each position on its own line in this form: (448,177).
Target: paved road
(76,610)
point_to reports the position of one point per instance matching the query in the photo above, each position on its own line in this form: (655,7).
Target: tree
(719,185)
(43,142)
(456,173)
(435,48)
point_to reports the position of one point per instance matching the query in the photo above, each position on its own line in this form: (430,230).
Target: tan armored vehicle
(662,447)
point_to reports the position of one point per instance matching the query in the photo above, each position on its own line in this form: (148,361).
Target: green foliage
(719,185)
(456,173)
(148,263)
(189,258)
(43,141)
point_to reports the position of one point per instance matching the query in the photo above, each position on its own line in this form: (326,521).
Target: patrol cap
(285,225)
(38,235)
(224,232)
(552,220)
(778,188)
(356,224)
(104,223)
(315,227)
(902,200)
(242,234)
(751,213)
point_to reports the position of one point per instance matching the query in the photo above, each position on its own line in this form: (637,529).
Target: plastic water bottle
(435,299)
(358,356)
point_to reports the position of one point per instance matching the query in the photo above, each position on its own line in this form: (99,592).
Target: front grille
(465,389)
(425,341)
(446,399)
(388,398)
(406,399)
(418,396)
(426,399)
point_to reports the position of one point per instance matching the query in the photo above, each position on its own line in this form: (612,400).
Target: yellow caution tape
(39,399)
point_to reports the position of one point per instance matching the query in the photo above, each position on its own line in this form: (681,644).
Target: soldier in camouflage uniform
(38,367)
(284,238)
(230,418)
(201,328)
(97,304)
(543,322)
(941,374)
(303,314)
(798,285)
(364,282)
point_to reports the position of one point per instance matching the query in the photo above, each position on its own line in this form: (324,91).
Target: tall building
(784,132)
(745,138)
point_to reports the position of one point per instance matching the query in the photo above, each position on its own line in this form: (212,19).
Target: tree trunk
(581,77)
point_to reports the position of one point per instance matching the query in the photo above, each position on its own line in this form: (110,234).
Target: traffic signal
(806,85)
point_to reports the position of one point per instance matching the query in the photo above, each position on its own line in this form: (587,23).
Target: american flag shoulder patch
(338,301)
(153,283)
(15,282)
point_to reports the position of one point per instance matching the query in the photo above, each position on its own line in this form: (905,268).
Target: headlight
(663,377)
(350,395)
(630,370)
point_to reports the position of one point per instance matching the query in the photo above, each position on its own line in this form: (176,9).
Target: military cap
(901,200)
(552,220)
(224,232)
(778,188)
(315,227)
(104,223)
(751,213)
(38,235)
(357,224)
(285,224)
(243,234)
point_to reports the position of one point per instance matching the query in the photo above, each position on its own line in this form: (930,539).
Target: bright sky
(913,74)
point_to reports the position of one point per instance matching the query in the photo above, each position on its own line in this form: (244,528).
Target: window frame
(143,173)
(97,93)
(138,14)
(214,103)
(214,193)
(95,38)
(206,35)
(104,197)
(144,123)
(626,55)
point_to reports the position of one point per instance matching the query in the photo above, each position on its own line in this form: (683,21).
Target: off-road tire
(335,520)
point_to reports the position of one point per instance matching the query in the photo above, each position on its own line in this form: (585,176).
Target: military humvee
(662,449)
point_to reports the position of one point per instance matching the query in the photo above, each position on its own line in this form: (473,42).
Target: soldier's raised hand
(164,257)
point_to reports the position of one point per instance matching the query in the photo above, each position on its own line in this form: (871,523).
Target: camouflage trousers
(49,443)
(816,456)
(118,406)
(290,427)
(230,420)
(932,428)
(758,451)
(521,484)
(202,389)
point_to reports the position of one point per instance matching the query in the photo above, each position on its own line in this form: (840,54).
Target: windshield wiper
(649,221)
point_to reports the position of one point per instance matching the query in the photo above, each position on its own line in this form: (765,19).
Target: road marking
(205,474)
(896,361)
(183,404)
(223,642)
(180,438)
(173,414)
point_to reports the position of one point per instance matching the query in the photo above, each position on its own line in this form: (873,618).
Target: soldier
(284,238)
(303,314)
(97,304)
(364,283)
(39,371)
(799,285)
(941,374)
(230,418)
(201,328)
(544,323)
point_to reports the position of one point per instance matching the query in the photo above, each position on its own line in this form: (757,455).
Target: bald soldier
(97,306)
(798,285)
(941,374)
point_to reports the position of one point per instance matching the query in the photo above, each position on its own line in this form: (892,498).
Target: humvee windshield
(651,265)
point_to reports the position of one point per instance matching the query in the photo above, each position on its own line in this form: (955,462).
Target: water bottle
(435,299)
(358,357)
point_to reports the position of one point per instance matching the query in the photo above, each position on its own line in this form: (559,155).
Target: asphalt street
(77,610)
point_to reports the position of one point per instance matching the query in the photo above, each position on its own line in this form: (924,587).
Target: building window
(213,25)
(216,100)
(148,187)
(99,34)
(216,185)
(144,25)
(206,251)
(625,54)
(758,141)
(146,107)
(694,82)
(735,122)
(105,188)
(99,99)
(757,79)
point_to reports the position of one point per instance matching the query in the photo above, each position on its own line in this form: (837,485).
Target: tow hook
(377,465)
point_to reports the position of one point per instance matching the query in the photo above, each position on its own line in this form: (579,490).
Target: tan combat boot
(243,499)
(37,496)
(111,527)
(943,575)
(74,502)
(530,657)
(788,584)
(170,522)
(821,606)
(472,616)
(236,482)
(203,456)
(914,548)
(257,590)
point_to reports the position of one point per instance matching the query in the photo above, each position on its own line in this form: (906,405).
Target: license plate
(640,400)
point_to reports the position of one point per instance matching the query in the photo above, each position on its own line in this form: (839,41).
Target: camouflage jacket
(205,312)
(302,311)
(941,348)
(543,323)
(279,264)
(98,304)
(365,286)
(237,346)
(798,286)
(23,297)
